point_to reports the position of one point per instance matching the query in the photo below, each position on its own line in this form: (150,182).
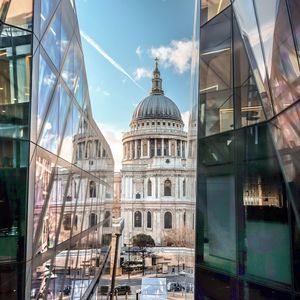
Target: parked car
(104,289)
(123,289)
(174,287)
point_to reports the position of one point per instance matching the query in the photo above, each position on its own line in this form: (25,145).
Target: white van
(154,288)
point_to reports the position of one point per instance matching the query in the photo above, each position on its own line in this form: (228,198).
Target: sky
(120,40)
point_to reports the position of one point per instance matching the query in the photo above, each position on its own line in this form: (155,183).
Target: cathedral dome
(156,105)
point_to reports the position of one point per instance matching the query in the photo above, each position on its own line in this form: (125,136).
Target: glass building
(56,169)
(248,177)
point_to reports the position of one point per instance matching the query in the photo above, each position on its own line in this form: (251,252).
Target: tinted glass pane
(15,70)
(217,203)
(210,8)
(267,240)
(246,18)
(280,54)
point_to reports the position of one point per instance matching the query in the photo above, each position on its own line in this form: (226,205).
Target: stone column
(142,144)
(180,148)
(135,149)
(170,154)
(130,150)
(148,147)
(155,147)
(162,147)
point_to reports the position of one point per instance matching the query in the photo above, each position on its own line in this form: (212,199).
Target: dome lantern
(156,81)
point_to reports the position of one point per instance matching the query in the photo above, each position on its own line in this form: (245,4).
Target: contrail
(106,56)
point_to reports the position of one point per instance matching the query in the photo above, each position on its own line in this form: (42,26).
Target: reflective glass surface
(211,8)
(15,63)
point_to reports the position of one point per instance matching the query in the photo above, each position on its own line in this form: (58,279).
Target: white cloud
(98,89)
(106,93)
(142,73)
(97,47)
(113,136)
(177,54)
(185,118)
(139,51)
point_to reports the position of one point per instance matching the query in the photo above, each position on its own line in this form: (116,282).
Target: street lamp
(128,270)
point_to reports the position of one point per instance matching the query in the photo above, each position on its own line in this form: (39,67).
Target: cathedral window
(168,220)
(137,219)
(167,188)
(137,196)
(75,223)
(107,219)
(149,188)
(67,222)
(149,220)
(92,220)
(183,188)
(184,219)
(92,189)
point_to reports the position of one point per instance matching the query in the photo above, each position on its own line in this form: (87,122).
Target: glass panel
(50,132)
(47,81)
(248,108)
(280,54)
(215,78)
(15,70)
(258,292)
(57,37)
(267,241)
(217,202)
(72,64)
(286,135)
(46,10)
(245,15)
(210,8)
(17,13)
(294,11)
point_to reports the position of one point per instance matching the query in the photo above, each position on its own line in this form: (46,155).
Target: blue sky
(120,39)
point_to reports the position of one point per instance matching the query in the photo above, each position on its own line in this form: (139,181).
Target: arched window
(137,219)
(168,220)
(75,223)
(106,221)
(137,196)
(92,189)
(167,188)
(149,220)
(183,188)
(149,188)
(92,220)
(184,219)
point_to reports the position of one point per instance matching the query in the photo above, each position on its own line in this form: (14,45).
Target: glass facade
(247,241)
(56,168)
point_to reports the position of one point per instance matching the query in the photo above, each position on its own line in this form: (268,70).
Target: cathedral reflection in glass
(248,216)
(56,169)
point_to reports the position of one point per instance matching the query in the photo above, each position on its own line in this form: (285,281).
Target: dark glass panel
(17,13)
(217,203)
(246,18)
(267,240)
(258,292)
(280,54)
(211,8)
(294,6)
(211,285)
(286,135)
(15,70)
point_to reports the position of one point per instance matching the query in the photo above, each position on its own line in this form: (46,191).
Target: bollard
(126,296)
(136,296)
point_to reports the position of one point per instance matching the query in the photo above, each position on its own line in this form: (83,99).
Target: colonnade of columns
(147,148)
